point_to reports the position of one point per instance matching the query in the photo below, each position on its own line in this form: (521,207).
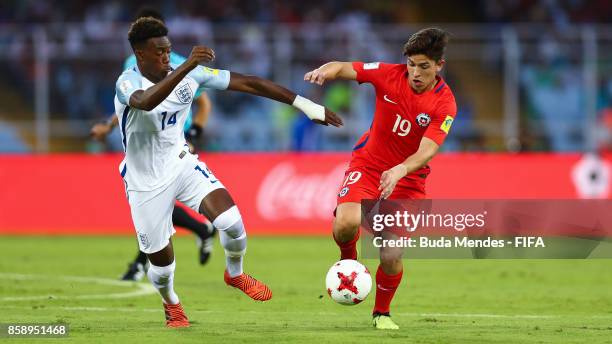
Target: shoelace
(243,282)
(175,312)
(246,282)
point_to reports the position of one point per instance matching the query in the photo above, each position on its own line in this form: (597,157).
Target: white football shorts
(152,210)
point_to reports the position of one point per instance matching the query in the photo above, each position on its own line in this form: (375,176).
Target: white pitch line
(441,315)
(142,288)
(484,315)
(147,289)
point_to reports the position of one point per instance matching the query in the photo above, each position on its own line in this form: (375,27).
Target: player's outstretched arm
(388,179)
(153,96)
(100,130)
(331,71)
(266,88)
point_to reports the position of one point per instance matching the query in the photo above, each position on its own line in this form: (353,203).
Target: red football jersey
(402,117)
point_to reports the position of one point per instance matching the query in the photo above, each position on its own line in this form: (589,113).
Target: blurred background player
(193,128)
(153,99)
(414,111)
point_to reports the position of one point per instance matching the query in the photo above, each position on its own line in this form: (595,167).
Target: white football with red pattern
(348,282)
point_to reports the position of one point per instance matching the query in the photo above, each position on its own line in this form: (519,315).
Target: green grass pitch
(72,280)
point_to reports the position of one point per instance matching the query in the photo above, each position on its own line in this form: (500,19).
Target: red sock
(386,285)
(348,250)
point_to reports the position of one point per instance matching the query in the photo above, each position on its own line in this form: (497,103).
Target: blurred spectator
(87,41)
(10,141)
(554,90)
(604,127)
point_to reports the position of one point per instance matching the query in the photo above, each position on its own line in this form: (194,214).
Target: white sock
(162,278)
(234,252)
(233,239)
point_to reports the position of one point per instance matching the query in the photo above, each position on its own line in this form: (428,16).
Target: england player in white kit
(153,100)
(157,154)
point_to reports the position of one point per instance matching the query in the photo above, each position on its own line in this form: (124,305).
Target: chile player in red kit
(415,109)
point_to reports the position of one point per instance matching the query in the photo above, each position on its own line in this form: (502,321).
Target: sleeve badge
(446,125)
(210,70)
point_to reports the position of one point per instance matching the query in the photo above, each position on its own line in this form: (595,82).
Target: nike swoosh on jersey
(389,100)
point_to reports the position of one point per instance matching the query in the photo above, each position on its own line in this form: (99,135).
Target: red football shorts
(362,183)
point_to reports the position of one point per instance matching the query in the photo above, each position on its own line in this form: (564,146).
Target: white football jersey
(153,140)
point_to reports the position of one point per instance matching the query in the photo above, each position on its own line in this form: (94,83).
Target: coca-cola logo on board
(286,192)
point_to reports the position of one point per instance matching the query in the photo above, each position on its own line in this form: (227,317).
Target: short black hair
(145,28)
(430,42)
(149,12)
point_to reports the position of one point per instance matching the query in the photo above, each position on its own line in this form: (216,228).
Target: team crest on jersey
(184,94)
(125,86)
(423,119)
(344,191)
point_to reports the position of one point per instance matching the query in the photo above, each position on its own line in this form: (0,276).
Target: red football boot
(255,289)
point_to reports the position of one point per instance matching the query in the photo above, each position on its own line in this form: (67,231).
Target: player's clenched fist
(316,76)
(201,54)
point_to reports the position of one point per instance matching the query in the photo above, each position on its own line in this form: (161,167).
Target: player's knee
(230,222)
(391,257)
(346,226)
